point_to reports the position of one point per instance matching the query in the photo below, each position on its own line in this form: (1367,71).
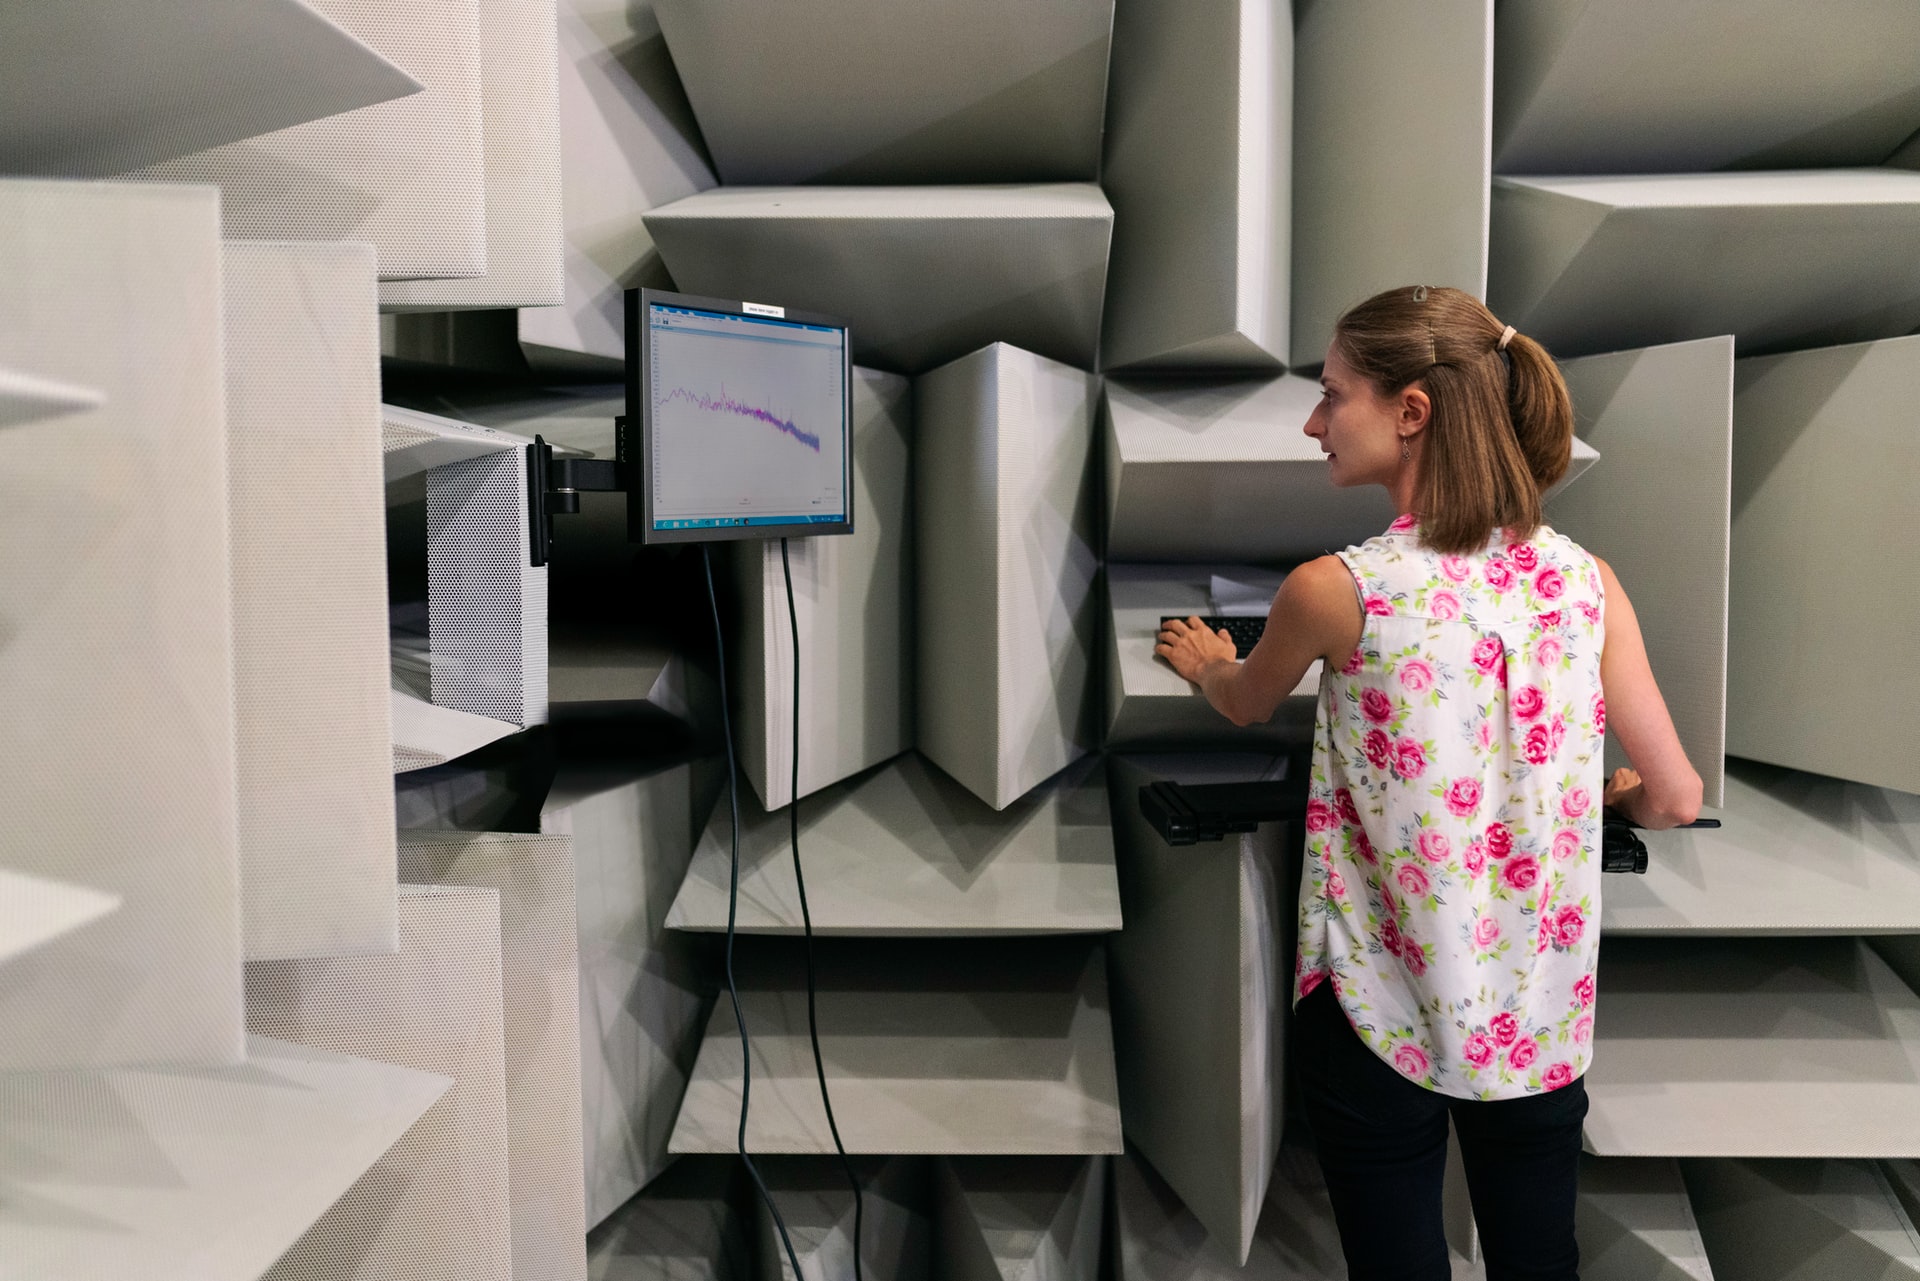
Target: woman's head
(1486,430)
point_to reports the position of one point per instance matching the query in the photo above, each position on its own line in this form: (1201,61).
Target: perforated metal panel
(116,627)
(35,910)
(309,589)
(486,605)
(520,118)
(407,175)
(539,984)
(435,1207)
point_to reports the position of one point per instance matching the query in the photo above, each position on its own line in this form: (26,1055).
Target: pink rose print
(1377,605)
(1486,931)
(1411,1060)
(1548,651)
(1376,706)
(1308,982)
(1589,612)
(1444,605)
(1583,1029)
(1557,1077)
(1557,733)
(1549,621)
(1521,873)
(1434,846)
(1536,747)
(1500,677)
(1576,802)
(1474,857)
(1566,843)
(1524,1051)
(1498,573)
(1504,1028)
(1414,958)
(1390,937)
(1528,702)
(1487,652)
(1599,714)
(1499,840)
(1548,584)
(1336,886)
(1483,735)
(1319,816)
(1343,802)
(1479,1050)
(1378,747)
(1412,880)
(1456,568)
(1416,675)
(1583,989)
(1355,661)
(1409,759)
(1463,797)
(1523,555)
(1569,923)
(1401,524)
(1362,846)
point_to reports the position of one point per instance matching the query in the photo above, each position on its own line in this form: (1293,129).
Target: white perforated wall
(116,626)
(435,1207)
(309,589)
(486,605)
(407,175)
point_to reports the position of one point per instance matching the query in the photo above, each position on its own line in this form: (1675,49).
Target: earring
(1406,452)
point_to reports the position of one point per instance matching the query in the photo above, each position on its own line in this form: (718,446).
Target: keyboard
(1244,632)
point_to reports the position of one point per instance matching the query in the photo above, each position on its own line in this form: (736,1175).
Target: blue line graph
(725,404)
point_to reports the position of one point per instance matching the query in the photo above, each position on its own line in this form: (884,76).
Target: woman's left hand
(1191,648)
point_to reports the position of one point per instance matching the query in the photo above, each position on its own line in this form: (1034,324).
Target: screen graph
(748,419)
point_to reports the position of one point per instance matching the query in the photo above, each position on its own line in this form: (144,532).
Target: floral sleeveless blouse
(1451,892)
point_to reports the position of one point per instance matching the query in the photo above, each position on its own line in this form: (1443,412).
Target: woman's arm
(1315,615)
(1663,789)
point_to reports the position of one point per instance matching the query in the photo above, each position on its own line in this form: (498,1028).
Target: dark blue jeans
(1383,1146)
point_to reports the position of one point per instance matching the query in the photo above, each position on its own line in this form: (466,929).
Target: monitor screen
(744,420)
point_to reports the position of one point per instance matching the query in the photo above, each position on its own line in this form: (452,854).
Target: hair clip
(1505,338)
(1419,293)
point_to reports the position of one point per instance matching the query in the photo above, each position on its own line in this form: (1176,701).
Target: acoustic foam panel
(1802,1221)
(1641,87)
(896,1238)
(1389,169)
(1655,508)
(486,602)
(1199,165)
(406,175)
(1635,1223)
(116,627)
(436,1205)
(1222,471)
(959,1048)
(1779,260)
(1797,854)
(1019,1218)
(643,992)
(27,399)
(413,442)
(540,993)
(628,142)
(190,1174)
(853,596)
(863,91)
(1803,507)
(309,600)
(1903,1176)
(686,1226)
(425,735)
(1151,705)
(904,850)
(1200,995)
(1157,1239)
(1006,609)
(92,89)
(36,910)
(520,131)
(923,275)
(1723,1047)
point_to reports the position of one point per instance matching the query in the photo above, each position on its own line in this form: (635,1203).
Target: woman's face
(1359,429)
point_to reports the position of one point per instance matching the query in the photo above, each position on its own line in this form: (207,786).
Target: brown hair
(1501,429)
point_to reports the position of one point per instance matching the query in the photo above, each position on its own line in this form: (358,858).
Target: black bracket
(554,486)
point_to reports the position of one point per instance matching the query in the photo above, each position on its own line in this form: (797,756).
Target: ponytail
(1540,409)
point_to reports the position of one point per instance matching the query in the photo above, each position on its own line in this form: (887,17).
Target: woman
(1450,899)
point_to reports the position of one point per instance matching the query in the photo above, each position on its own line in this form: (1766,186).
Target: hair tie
(1505,338)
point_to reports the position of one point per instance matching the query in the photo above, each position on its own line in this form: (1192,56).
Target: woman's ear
(1416,409)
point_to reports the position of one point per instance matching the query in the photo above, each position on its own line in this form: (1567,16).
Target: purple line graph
(725,404)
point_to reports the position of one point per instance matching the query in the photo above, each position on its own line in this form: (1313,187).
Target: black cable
(806,917)
(733,905)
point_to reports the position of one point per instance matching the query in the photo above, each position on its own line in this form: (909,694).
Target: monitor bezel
(636,443)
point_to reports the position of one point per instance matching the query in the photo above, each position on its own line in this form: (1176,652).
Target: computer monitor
(739,421)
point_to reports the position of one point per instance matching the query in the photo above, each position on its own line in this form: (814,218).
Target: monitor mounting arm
(554,486)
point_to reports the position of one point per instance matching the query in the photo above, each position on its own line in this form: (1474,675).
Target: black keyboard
(1244,632)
